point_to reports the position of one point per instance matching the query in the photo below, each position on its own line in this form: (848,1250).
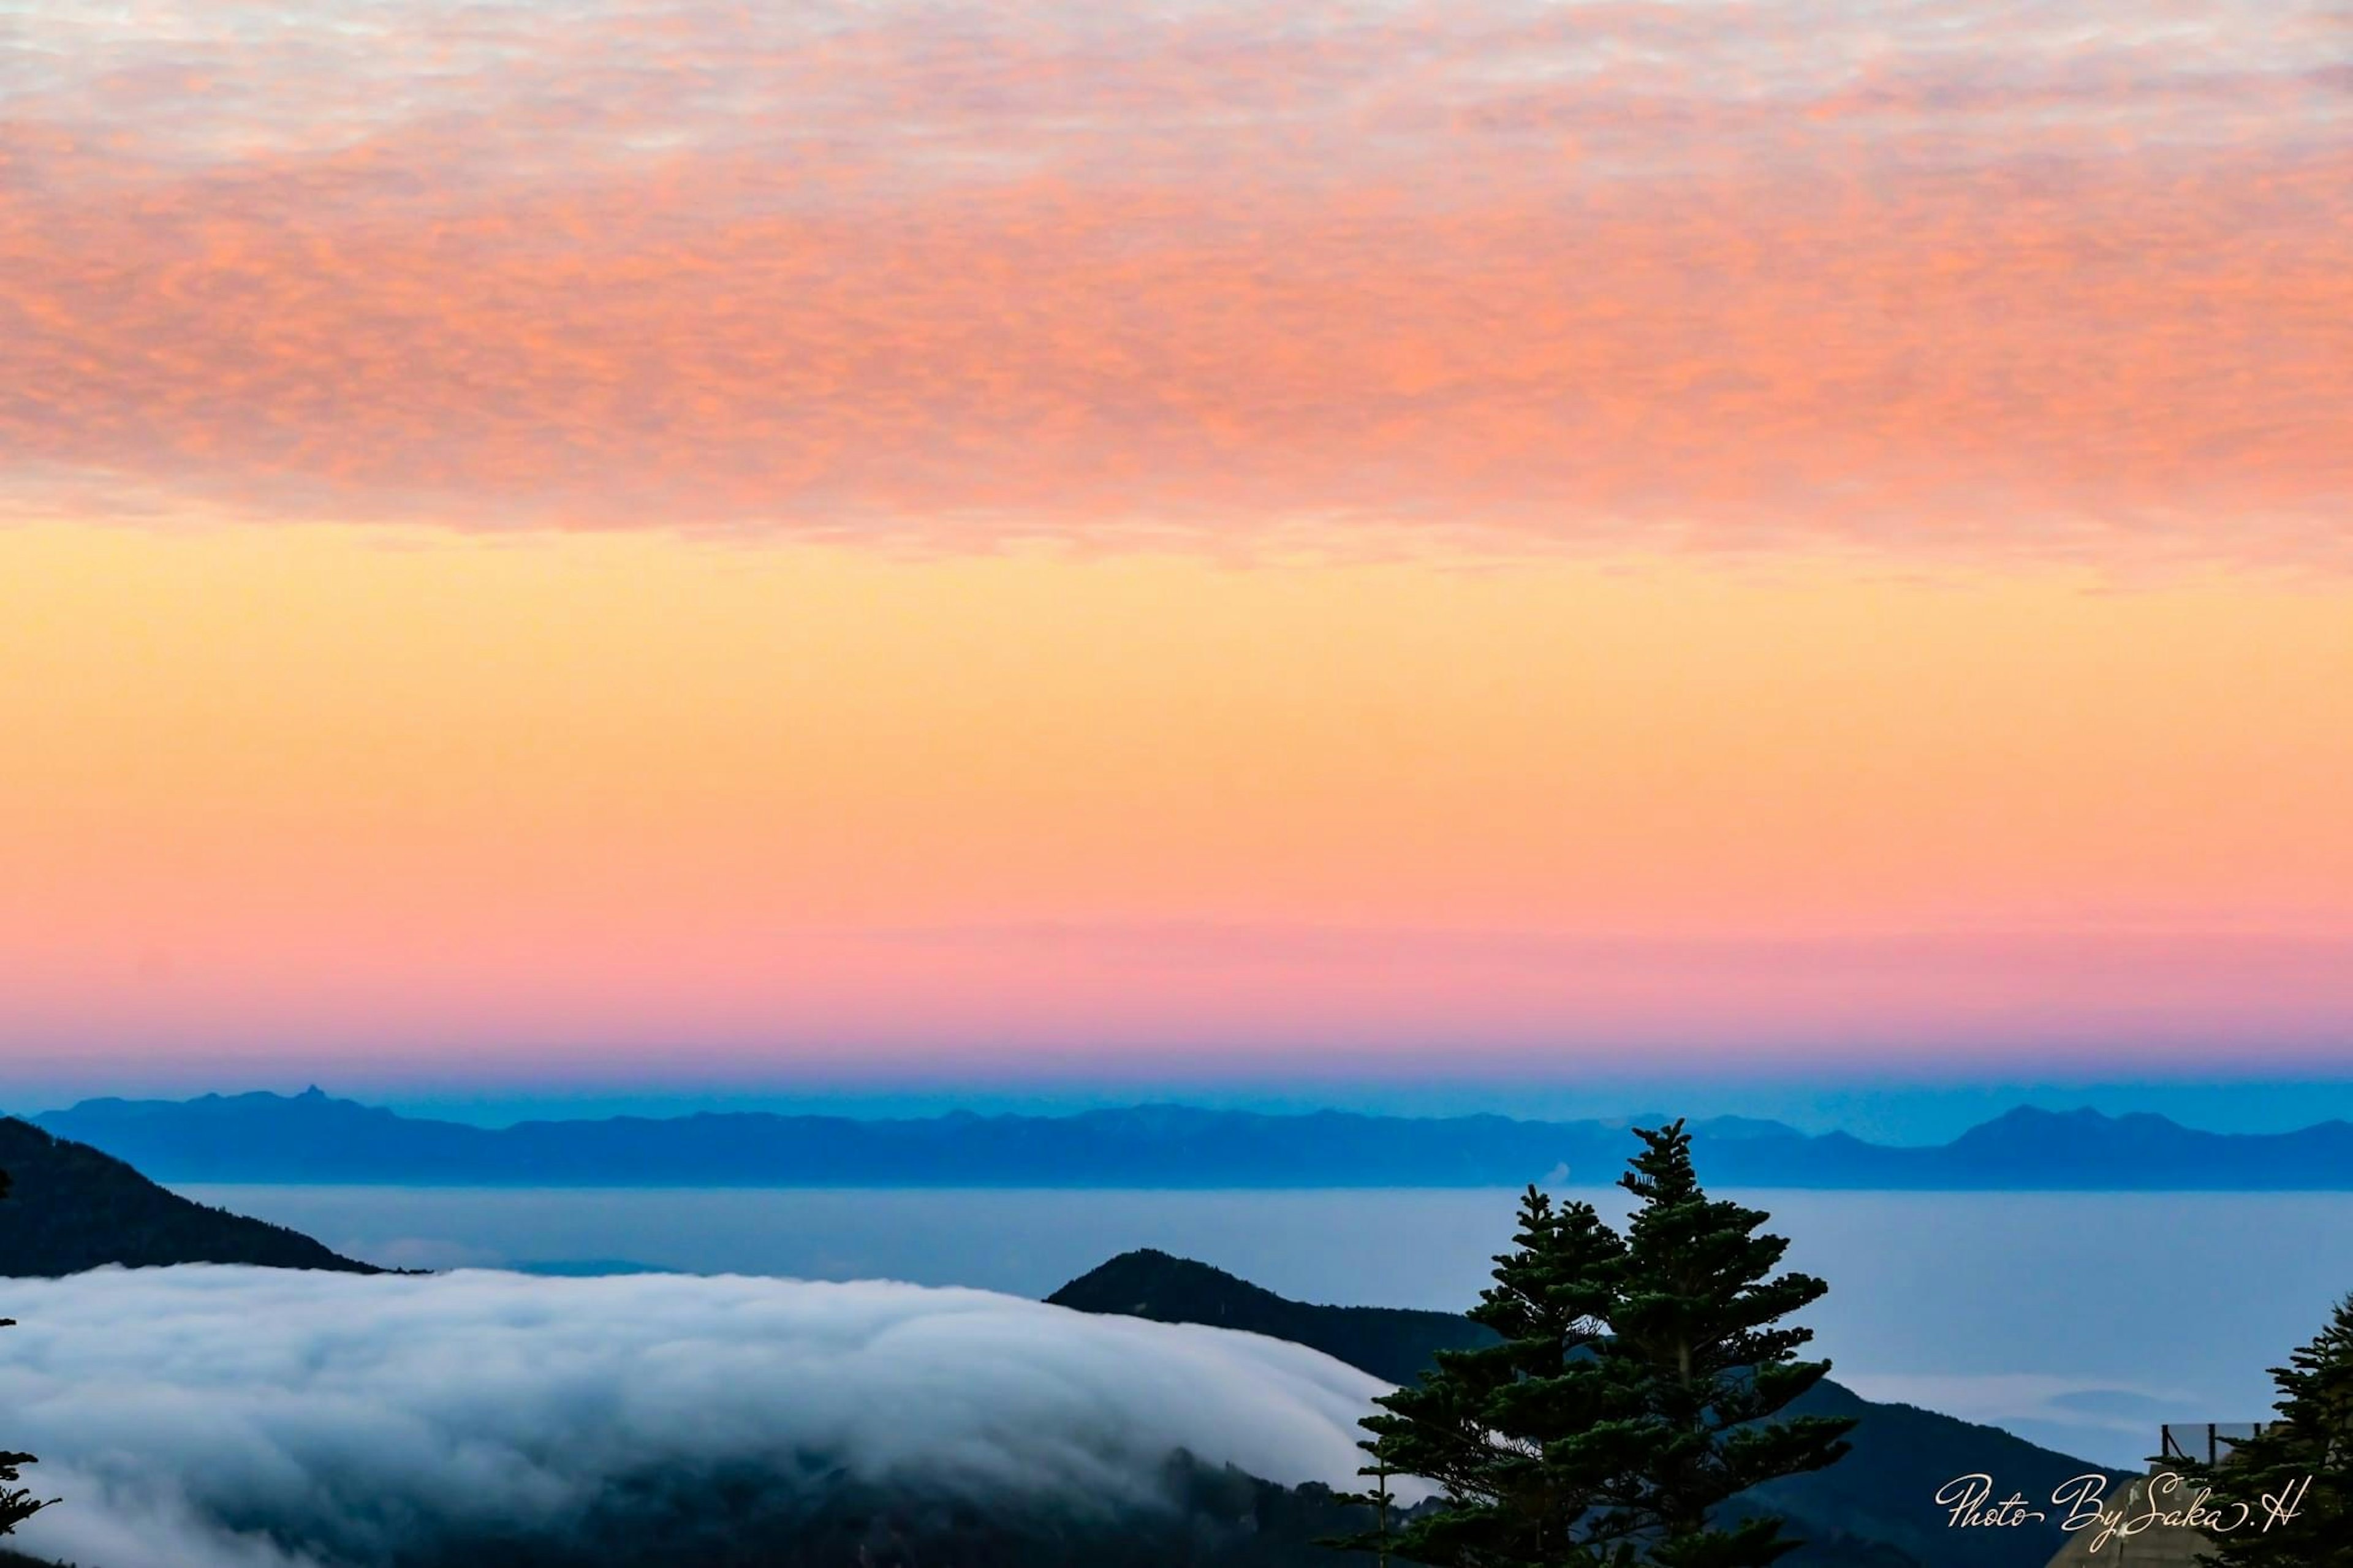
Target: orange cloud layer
(1711,274)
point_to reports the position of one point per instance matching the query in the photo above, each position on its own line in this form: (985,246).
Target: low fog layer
(211,1417)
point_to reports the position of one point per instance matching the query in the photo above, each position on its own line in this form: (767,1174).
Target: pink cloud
(1714,276)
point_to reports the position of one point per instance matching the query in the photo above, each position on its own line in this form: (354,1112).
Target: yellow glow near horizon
(274,761)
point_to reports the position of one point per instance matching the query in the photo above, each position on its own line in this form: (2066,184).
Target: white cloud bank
(191,1414)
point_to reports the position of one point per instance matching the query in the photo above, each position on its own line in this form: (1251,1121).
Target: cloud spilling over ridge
(211,1417)
(1932,272)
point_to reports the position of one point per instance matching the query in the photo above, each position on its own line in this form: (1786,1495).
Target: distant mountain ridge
(1881,1495)
(72,1208)
(315,1138)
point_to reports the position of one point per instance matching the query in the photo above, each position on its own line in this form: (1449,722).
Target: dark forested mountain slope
(1389,1343)
(1881,1496)
(73,1208)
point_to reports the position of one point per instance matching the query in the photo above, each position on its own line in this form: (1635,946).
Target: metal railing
(2208,1444)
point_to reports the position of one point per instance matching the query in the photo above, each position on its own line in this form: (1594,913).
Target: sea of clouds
(229,1417)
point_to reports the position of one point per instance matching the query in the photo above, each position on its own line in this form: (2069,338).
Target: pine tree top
(1638,1389)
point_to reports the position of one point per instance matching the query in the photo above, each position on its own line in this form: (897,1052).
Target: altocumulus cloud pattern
(217,1417)
(1956,273)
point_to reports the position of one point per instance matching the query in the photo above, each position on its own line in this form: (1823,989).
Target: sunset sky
(580,545)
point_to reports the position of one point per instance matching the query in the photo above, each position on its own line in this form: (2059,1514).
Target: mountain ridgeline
(1393,1343)
(314,1138)
(73,1208)
(1870,1508)
(76,1208)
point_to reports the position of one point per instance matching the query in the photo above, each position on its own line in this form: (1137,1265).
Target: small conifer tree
(1632,1396)
(2303,1464)
(1477,1425)
(1699,1343)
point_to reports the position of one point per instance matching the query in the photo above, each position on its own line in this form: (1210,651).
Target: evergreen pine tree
(1478,1424)
(16,1504)
(1631,1397)
(1699,1349)
(2305,1460)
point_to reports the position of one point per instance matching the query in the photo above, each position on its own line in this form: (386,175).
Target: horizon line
(816,1109)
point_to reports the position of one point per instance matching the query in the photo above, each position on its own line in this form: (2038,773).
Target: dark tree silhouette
(2306,1461)
(1632,1400)
(1479,1423)
(16,1504)
(1700,1342)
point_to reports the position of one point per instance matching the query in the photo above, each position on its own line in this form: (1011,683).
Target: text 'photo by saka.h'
(1175,784)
